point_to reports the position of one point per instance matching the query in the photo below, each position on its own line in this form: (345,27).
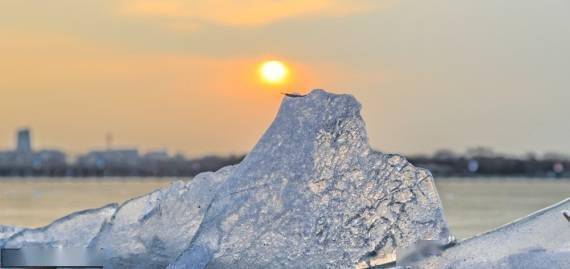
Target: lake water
(472,206)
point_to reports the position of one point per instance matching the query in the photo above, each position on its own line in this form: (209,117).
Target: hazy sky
(181,74)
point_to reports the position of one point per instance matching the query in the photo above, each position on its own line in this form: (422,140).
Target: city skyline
(23,160)
(168,74)
(24,144)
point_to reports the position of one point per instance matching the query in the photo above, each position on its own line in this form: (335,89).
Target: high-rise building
(24,144)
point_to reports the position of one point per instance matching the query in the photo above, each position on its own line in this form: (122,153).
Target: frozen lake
(472,205)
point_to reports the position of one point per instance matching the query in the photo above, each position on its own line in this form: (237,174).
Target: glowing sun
(273,72)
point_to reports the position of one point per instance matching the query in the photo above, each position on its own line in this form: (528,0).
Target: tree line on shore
(484,162)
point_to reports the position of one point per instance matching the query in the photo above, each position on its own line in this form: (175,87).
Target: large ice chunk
(313,194)
(152,230)
(310,194)
(539,241)
(74,230)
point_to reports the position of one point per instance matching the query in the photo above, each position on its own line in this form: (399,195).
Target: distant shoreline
(441,165)
(183,178)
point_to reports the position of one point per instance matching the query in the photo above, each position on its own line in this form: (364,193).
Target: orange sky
(181,74)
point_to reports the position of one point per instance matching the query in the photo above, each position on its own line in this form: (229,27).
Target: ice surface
(152,230)
(6,232)
(539,241)
(74,230)
(310,194)
(313,194)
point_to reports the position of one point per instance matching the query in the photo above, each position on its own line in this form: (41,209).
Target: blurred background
(104,100)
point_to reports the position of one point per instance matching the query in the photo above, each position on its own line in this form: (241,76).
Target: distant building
(7,158)
(48,158)
(159,155)
(24,141)
(109,158)
(24,158)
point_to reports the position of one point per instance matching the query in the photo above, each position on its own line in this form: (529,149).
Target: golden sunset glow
(153,72)
(273,72)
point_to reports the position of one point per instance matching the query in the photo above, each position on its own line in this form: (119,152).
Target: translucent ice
(152,230)
(539,241)
(313,194)
(310,194)
(6,232)
(74,230)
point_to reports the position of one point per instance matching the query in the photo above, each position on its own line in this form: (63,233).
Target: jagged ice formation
(310,194)
(313,194)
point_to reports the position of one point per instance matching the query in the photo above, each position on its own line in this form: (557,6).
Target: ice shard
(152,230)
(74,230)
(539,241)
(6,232)
(312,194)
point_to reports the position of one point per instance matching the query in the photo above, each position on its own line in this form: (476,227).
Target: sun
(273,72)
